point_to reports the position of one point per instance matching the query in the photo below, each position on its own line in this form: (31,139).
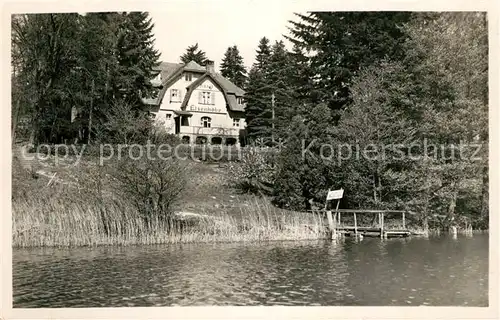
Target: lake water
(439,271)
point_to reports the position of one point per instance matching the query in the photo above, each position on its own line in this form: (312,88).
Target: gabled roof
(194,67)
(229,89)
(167,69)
(170,72)
(224,83)
(229,86)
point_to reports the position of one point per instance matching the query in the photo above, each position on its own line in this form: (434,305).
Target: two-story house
(198,104)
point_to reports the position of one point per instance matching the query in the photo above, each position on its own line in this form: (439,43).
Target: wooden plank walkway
(373,232)
(337,227)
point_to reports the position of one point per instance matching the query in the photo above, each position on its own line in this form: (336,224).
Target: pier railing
(336,226)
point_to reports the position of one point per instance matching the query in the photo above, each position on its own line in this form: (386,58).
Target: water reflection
(434,271)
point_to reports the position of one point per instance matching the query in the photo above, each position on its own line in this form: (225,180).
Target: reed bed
(73,213)
(41,221)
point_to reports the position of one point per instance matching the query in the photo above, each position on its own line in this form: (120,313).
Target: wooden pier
(352,227)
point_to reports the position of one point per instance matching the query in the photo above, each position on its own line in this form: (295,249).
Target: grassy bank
(53,222)
(62,208)
(65,206)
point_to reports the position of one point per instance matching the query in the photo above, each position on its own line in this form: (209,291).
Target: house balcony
(212,131)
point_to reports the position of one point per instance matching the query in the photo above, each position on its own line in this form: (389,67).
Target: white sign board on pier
(335,194)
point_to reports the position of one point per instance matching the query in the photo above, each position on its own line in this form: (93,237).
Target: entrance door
(177,124)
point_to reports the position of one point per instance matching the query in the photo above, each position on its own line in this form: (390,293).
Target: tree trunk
(452,206)
(425,222)
(90,112)
(485,192)
(484,140)
(90,126)
(379,186)
(34,133)
(15,120)
(425,213)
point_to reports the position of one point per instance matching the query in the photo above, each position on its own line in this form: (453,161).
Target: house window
(207,97)
(188,77)
(239,100)
(168,116)
(206,122)
(175,95)
(152,116)
(236,122)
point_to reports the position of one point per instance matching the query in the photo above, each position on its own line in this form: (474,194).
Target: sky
(217,25)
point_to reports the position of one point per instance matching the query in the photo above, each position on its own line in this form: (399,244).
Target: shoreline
(171,238)
(67,211)
(225,241)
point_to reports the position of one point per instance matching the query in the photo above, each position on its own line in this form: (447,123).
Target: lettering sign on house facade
(204,109)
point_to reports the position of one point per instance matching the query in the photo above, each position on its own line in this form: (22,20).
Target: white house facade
(198,104)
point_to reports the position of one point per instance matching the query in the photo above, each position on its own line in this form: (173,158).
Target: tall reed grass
(51,222)
(84,209)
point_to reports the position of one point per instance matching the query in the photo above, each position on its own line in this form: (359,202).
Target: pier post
(382,230)
(381,224)
(337,210)
(331,224)
(355,225)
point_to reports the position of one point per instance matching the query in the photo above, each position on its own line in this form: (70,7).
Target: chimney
(210,66)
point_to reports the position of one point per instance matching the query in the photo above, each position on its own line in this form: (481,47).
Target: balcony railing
(199,130)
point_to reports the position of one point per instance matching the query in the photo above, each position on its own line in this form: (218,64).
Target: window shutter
(200,97)
(213,97)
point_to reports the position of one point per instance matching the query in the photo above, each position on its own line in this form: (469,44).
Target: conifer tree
(136,57)
(279,76)
(300,78)
(232,67)
(263,54)
(258,95)
(193,53)
(345,42)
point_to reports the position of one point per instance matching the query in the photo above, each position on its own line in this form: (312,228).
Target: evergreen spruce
(279,77)
(193,53)
(263,54)
(343,43)
(232,67)
(136,57)
(258,96)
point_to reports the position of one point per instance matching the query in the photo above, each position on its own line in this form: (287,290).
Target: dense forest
(74,76)
(410,89)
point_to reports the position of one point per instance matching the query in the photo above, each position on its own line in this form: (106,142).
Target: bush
(124,125)
(254,173)
(160,136)
(152,185)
